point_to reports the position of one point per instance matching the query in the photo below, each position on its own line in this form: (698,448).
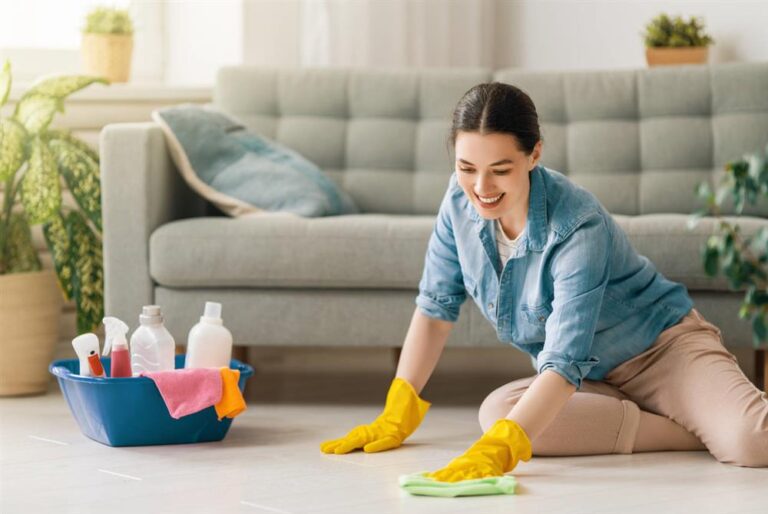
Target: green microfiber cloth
(419,484)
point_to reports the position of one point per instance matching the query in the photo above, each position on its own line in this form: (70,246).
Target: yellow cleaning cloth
(232,402)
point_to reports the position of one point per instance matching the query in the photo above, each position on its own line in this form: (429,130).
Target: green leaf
(694,218)
(711,260)
(81,172)
(5,82)
(88,279)
(703,190)
(36,111)
(40,188)
(758,328)
(108,20)
(744,310)
(52,134)
(758,244)
(61,86)
(756,162)
(13,147)
(22,255)
(57,239)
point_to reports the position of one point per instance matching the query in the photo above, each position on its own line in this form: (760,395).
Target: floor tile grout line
(263,507)
(46,440)
(119,474)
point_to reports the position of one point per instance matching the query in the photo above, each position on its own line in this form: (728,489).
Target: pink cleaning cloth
(186,391)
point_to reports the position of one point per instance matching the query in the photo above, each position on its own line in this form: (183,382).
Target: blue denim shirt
(575,295)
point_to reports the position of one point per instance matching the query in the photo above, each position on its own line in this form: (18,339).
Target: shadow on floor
(365,388)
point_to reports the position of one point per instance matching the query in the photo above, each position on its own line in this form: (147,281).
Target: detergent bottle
(152,346)
(209,344)
(117,344)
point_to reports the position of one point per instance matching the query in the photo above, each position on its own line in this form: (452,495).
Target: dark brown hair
(495,107)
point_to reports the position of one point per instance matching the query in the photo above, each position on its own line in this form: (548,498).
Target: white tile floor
(270,463)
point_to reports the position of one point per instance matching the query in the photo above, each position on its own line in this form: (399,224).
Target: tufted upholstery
(637,139)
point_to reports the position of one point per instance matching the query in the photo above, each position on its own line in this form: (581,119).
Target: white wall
(590,34)
(201,37)
(272,32)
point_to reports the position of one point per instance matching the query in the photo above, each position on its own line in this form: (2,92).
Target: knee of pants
(495,406)
(747,446)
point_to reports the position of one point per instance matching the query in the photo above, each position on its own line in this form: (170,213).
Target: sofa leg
(240,353)
(396,356)
(761,370)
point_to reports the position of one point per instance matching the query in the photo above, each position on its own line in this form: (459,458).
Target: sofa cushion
(242,172)
(283,250)
(373,251)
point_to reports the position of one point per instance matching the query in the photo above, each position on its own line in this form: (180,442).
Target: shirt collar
(536,224)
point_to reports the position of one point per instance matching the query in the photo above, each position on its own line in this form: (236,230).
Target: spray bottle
(85,346)
(118,345)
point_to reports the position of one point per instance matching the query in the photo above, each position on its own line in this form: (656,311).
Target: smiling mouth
(489,202)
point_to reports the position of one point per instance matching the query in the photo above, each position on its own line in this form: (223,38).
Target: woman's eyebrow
(503,161)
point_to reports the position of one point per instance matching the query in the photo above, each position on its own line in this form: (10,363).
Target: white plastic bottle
(209,344)
(152,346)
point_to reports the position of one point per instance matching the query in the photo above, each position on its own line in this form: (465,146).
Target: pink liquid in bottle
(121,363)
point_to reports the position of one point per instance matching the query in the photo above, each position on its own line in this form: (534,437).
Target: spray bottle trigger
(116,329)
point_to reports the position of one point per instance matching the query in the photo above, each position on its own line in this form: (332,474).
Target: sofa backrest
(640,140)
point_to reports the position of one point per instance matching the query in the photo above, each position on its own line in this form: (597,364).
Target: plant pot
(30,309)
(108,55)
(666,56)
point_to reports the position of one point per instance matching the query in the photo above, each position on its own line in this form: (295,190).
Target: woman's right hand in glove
(402,414)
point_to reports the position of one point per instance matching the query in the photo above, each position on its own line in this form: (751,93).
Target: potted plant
(671,41)
(34,159)
(742,259)
(107,43)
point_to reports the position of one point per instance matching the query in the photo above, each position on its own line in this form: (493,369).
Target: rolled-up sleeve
(580,271)
(441,289)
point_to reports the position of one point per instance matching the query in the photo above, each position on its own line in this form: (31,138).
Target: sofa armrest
(140,190)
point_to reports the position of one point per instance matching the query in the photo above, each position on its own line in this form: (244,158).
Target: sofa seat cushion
(378,251)
(372,251)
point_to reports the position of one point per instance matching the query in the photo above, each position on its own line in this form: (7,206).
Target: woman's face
(493,172)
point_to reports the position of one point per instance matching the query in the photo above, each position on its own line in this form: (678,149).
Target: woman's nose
(483,185)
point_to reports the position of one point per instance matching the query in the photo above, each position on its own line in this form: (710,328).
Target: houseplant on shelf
(671,41)
(742,259)
(34,159)
(107,44)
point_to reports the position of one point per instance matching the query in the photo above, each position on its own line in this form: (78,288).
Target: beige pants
(686,392)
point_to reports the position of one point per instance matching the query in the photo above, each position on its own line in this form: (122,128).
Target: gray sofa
(639,139)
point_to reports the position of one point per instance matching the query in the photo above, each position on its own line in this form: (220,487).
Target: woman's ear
(535,154)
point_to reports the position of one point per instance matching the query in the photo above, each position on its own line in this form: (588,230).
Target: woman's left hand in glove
(497,452)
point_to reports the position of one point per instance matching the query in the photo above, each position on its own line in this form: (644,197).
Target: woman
(625,363)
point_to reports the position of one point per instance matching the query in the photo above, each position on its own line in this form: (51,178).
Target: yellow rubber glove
(495,453)
(402,414)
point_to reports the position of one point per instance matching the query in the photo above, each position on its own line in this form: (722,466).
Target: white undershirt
(506,245)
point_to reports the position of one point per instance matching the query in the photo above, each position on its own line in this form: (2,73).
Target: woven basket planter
(30,310)
(108,55)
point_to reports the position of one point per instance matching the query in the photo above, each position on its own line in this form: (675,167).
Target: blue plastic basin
(131,412)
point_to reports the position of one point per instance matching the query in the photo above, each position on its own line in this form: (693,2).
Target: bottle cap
(212,313)
(116,331)
(150,314)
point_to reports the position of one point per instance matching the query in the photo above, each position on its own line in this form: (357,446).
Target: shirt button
(490,305)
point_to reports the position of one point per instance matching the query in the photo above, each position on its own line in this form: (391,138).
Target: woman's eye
(496,172)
